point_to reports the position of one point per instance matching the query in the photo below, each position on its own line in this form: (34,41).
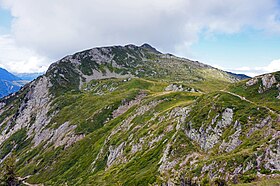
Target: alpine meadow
(131,115)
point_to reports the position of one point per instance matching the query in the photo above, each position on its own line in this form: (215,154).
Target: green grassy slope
(267,97)
(125,127)
(91,108)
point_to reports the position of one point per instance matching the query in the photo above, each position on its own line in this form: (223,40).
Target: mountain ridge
(131,60)
(132,116)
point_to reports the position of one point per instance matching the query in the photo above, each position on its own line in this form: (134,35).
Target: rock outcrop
(179,88)
(252,82)
(114,153)
(234,140)
(268,81)
(210,136)
(105,116)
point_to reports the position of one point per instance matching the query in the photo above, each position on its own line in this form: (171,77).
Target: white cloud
(254,71)
(55,28)
(19,59)
(58,27)
(273,66)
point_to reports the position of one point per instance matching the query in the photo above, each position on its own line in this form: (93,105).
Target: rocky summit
(130,115)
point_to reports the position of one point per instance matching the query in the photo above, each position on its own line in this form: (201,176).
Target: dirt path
(26,183)
(245,99)
(29,184)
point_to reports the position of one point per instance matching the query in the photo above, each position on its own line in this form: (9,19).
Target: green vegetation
(267,98)
(16,142)
(8,175)
(263,182)
(129,130)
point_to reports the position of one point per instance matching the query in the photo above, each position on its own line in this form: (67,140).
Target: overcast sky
(237,35)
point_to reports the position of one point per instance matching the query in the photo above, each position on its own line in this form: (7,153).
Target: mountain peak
(147,118)
(149,47)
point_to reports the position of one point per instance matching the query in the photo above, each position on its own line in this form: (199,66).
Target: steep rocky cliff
(134,116)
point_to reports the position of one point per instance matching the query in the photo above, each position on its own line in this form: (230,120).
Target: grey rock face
(63,135)
(36,105)
(179,88)
(259,126)
(227,117)
(115,153)
(268,81)
(272,157)
(209,168)
(155,140)
(173,87)
(264,122)
(34,117)
(234,140)
(167,163)
(127,123)
(126,106)
(208,137)
(252,82)
(138,146)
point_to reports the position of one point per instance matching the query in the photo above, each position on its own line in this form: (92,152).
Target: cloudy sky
(237,35)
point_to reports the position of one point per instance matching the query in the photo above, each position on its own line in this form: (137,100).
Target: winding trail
(26,183)
(249,101)
(29,184)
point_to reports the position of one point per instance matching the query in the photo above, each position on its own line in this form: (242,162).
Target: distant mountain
(130,115)
(9,83)
(28,76)
(239,76)
(5,75)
